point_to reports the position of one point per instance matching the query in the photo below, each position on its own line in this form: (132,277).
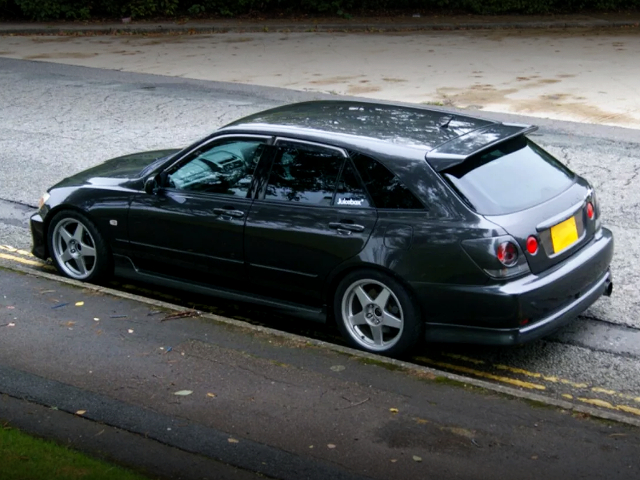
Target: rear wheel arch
(392,326)
(339,274)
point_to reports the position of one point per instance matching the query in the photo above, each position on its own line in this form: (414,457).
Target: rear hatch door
(525,190)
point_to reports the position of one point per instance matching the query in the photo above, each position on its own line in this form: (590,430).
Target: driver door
(193,226)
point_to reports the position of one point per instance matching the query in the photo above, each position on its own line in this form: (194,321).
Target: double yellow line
(26,258)
(537,386)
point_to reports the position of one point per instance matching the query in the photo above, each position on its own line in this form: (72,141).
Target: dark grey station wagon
(399,223)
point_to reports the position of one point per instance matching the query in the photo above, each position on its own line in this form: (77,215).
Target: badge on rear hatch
(564,234)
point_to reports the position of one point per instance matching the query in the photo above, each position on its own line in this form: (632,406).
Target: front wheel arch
(94,240)
(46,221)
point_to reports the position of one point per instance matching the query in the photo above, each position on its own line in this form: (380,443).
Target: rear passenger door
(311,215)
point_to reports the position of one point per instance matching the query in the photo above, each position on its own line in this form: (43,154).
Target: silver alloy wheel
(372,314)
(74,248)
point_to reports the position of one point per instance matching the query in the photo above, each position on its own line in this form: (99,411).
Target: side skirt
(124,267)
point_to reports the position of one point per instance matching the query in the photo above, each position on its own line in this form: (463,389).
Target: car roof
(446,138)
(403,125)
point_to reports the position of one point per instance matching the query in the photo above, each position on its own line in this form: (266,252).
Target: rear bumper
(529,307)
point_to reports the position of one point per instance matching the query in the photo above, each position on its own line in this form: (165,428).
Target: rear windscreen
(512,176)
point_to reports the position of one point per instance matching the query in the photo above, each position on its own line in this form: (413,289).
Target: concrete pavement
(247,400)
(533,65)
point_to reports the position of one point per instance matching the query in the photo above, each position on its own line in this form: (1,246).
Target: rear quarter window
(384,187)
(513,176)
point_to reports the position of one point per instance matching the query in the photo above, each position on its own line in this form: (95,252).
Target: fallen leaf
(233,440)
(183,393)
(81,412)
(69,324)
(393,460)
(79,304)
(211,395)
(338,368)
(393,410)
(331,445)
(417,458)
(534,457)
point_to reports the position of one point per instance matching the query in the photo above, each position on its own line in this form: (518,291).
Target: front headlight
(43,200)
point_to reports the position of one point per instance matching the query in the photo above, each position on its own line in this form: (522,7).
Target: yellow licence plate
(564,234)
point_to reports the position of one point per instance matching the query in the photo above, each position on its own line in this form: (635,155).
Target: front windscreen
(512,176)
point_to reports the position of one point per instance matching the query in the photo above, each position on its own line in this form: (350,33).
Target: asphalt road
(56,120)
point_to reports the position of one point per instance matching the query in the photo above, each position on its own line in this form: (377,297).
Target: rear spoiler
(456,151)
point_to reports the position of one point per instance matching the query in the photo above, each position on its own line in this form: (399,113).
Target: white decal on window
(113,223)
(345,201)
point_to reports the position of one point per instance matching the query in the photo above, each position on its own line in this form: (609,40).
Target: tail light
(499,257)
(591,212)
(507,253)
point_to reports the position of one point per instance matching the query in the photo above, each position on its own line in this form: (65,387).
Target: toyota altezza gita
(397,223)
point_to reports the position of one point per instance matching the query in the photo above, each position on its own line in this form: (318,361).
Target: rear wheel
(375,313)
(77,248)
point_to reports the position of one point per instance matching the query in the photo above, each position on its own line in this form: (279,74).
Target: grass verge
(23,457)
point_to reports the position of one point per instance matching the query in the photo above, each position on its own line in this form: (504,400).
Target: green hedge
(76,9)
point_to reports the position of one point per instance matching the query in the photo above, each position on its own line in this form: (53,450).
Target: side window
(350,192)
(384,187)
(225,167)
(304,174)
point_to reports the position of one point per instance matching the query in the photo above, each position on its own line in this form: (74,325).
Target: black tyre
(374,312)
(77,248)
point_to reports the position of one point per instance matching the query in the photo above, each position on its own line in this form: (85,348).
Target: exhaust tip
(608,290)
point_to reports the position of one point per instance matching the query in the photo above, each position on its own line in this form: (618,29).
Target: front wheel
(375,313)
(77,248)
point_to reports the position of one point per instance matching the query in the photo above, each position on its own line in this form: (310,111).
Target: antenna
(446,121)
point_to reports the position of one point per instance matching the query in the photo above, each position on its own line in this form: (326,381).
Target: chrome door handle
(352,227)
(229,212)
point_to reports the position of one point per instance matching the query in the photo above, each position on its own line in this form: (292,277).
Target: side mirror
(151,185)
